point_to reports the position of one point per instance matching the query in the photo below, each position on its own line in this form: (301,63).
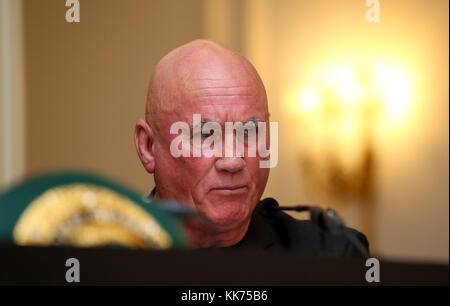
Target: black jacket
(272,229)
(275,230)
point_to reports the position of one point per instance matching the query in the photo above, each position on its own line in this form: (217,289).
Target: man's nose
(230,164)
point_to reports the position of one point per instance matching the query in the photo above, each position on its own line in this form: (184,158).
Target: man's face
(226,190)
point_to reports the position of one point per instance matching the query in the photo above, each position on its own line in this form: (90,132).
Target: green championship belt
(83,210)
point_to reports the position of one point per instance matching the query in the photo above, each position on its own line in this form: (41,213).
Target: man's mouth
(230,190)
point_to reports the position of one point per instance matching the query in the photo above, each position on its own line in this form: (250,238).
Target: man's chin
(228,215)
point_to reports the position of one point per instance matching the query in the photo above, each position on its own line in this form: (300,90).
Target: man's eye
(207,134)
(250,131)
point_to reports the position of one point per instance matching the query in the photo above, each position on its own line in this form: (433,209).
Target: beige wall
(87,81)
(86,87)
(287,40)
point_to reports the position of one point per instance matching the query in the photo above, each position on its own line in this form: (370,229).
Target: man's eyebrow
(203,121)
(253,119)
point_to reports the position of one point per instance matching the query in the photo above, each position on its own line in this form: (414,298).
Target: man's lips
(230,190)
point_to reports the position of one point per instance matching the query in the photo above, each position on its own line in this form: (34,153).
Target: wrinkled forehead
(227,85)
(219,103)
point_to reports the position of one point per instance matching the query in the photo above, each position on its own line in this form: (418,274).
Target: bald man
(209,80)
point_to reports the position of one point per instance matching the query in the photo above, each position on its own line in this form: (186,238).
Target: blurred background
(362,106)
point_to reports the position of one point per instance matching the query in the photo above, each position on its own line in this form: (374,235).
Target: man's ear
(144,141)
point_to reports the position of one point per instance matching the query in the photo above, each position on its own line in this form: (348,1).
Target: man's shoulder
(290,233)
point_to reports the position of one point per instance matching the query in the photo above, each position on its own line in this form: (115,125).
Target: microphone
(327,220)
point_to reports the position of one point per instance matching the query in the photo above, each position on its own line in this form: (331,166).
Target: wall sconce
(341,111)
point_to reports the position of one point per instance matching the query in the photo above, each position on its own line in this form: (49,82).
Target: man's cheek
(259,175)
(193,167)
(253,166)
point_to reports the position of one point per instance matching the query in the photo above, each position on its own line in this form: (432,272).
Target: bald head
(186,73)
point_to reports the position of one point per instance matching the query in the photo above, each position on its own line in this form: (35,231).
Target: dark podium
(109,266)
